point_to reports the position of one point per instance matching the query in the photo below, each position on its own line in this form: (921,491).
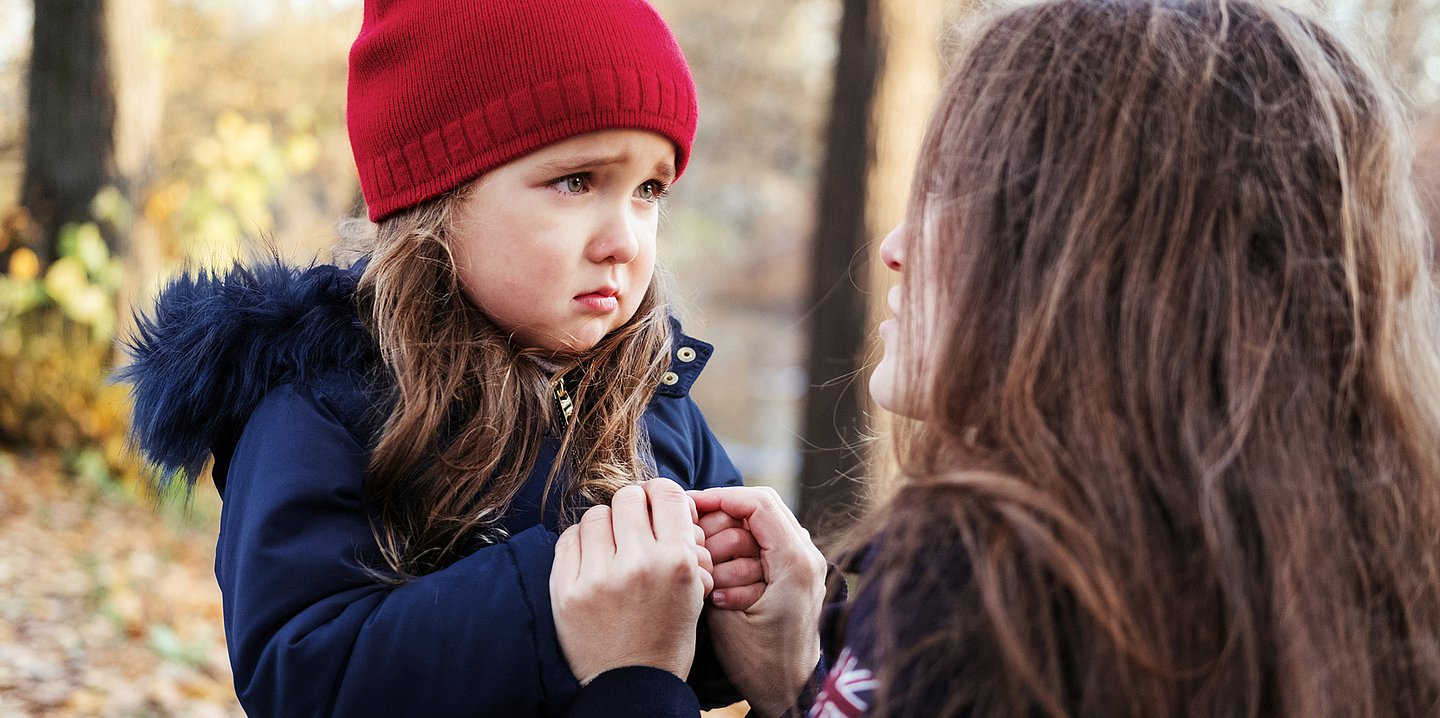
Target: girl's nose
(892,248)
(617,239)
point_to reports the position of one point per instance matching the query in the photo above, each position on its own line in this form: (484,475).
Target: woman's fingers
(767,517)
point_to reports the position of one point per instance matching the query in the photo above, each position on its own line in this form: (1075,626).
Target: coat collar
(688,357)
(217,342)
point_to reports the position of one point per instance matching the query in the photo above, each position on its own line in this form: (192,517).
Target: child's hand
(739,574)
(629,581)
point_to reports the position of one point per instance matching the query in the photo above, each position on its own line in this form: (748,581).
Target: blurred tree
(833,418)
(865,190)
(70,142)
(909,79)
(135,51)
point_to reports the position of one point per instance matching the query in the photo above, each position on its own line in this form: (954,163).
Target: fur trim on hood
(218,342)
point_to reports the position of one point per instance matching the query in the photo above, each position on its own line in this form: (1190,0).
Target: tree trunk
(908,88)
(139,87)
(69,142)
(901,92)
(833,420)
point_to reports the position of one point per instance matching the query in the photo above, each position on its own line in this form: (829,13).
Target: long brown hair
(1172,333)
(471,408)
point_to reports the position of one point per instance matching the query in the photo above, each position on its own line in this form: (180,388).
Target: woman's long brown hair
(1171,330)
(471,408)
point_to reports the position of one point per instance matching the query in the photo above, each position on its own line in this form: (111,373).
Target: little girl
(398,443)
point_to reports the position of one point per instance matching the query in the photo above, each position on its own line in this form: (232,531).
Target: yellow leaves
(242,142)
(110,205)
(229,124)
(55,335)
(65,279)
(238,173)
(165,201)
(24,265)
(302,152)
(207,153)
(89,247)
(83,281)
(215,240)
(302,118)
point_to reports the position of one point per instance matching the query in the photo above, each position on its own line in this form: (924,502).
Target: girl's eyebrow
(664,170)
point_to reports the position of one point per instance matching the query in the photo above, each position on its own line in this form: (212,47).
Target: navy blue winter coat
(269,370)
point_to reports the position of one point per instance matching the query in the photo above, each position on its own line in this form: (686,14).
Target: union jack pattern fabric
(847,690)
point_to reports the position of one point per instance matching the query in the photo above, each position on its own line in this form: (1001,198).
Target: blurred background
(139,138)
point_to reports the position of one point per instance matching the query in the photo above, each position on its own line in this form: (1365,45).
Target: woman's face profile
(885,384)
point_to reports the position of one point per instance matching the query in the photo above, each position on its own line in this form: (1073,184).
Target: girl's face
(885,387)
(558,246)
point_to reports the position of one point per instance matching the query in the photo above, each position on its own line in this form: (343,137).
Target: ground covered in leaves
(109,607)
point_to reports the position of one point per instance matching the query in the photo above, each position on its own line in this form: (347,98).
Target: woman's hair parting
(1171,325)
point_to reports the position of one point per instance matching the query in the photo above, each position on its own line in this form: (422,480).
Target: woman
(1166,333)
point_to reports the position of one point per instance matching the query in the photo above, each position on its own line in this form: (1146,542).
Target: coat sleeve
(685,448)
(312,632)
(635,692)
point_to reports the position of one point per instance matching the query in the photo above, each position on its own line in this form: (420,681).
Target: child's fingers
(694,512)
(670,512)
(567,555)
(739,598)
(717,521)
(597,540)
(707,569)
(732,543)
(739,572)
(631,519)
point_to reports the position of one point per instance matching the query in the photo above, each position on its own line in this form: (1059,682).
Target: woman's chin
(882,386)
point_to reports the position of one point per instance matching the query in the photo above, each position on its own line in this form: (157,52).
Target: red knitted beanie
(442,92)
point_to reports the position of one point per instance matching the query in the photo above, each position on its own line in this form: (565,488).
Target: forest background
(139,138)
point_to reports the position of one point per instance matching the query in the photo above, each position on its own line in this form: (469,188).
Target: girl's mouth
(603,300)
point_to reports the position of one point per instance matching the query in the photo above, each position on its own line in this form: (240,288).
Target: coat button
(685,354)
(669,378)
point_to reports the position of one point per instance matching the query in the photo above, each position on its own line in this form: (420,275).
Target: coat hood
(217,342)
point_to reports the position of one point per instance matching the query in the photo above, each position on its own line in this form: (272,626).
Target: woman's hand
(629,581)
(771,648)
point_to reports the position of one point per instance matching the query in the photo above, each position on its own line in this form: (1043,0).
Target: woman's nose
(892,248)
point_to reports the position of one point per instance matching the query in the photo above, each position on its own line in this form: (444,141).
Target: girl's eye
(571,184)
(651,191)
